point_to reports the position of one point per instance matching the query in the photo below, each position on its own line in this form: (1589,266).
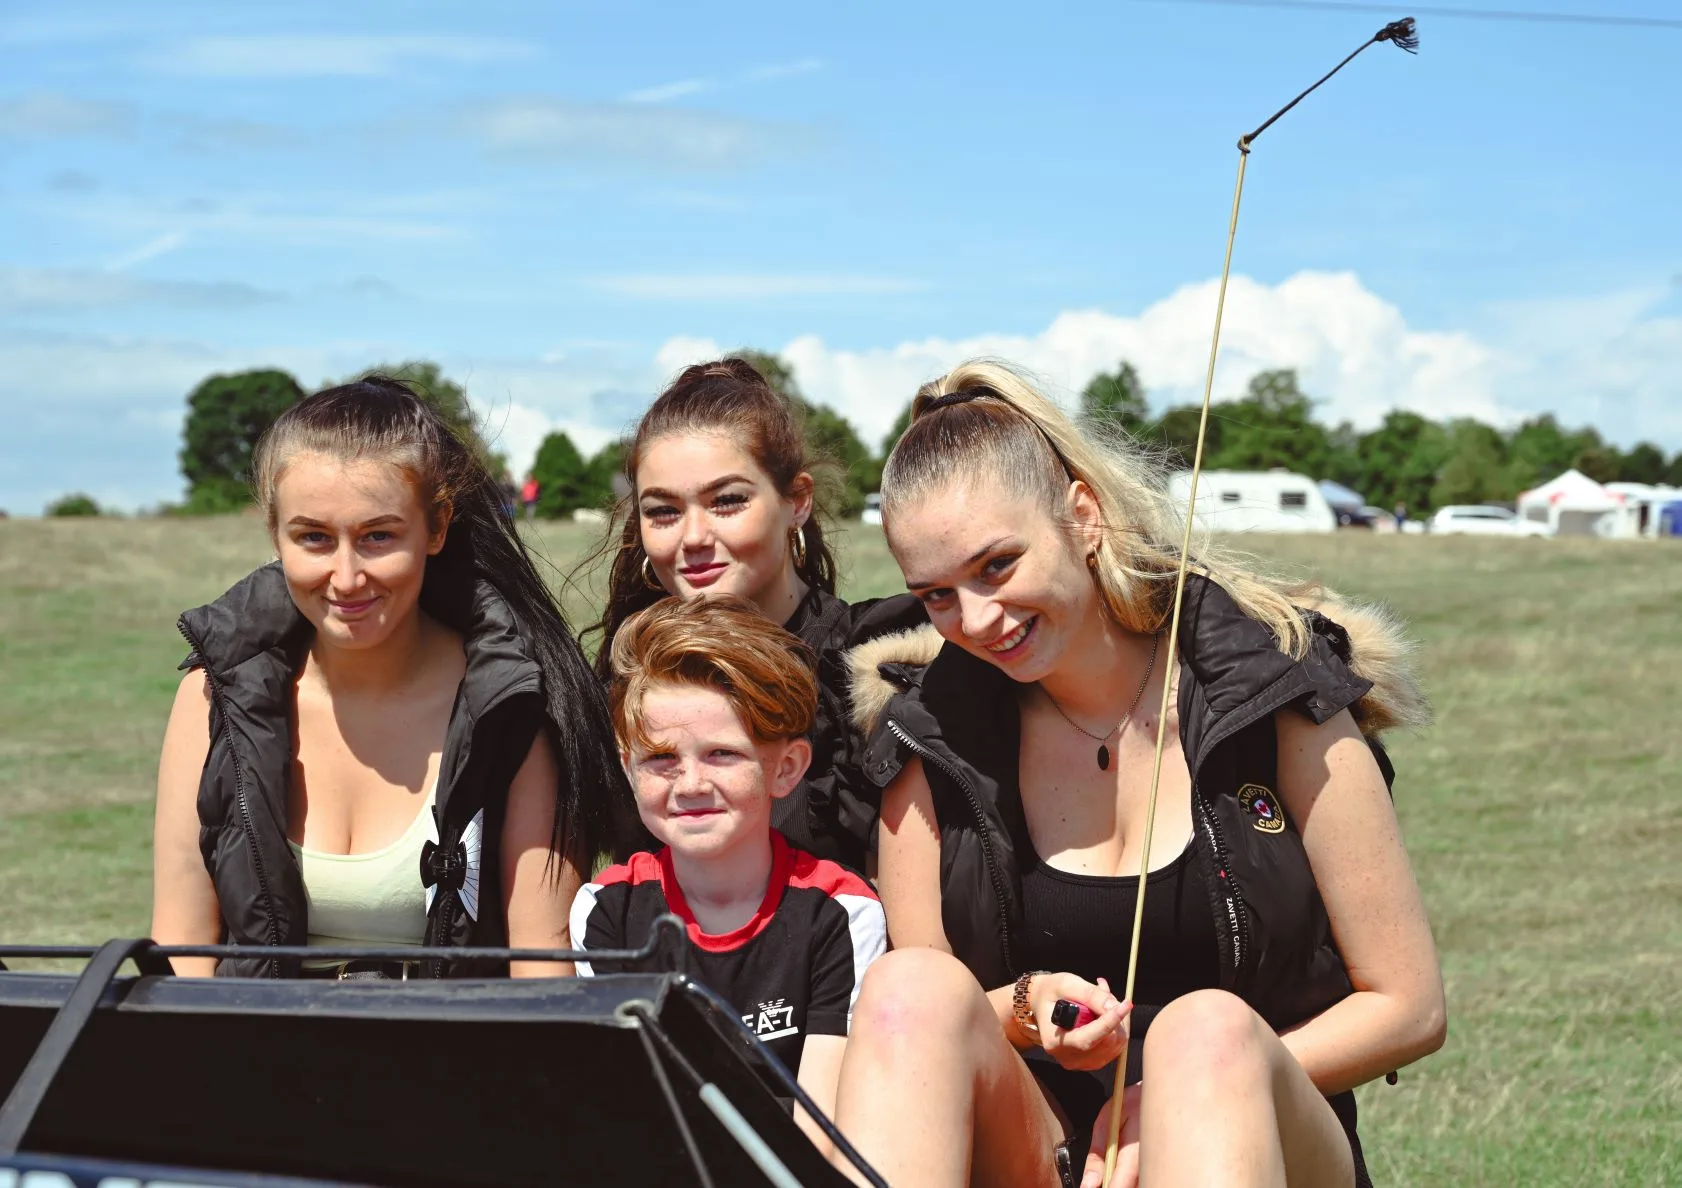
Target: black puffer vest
(251,643)
(833,810)
(960,715)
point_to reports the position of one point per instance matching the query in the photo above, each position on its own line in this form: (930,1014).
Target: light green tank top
(374,898)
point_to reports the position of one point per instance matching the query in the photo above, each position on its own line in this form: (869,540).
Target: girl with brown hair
(724,499)
(388,735)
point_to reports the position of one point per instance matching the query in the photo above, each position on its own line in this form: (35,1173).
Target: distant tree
(1602,463)
(1117,399)
(1474,468)
(1343,460)
(1176,432)
(776,370)
(1644,463)
(1273,425)
(829,435)
(445,396)
(1398,461)
(226,414)
(901,424)
(1540,450)
(74,504)
(563,478)
(1673,472)
(832,438)
(606,469)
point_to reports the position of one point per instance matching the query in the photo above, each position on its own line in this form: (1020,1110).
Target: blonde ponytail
(986,418)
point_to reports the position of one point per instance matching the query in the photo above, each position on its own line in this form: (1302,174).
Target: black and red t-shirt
(793,970)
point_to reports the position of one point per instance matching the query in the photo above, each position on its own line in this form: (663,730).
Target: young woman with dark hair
(388,735)
(725,500)
(1285,955)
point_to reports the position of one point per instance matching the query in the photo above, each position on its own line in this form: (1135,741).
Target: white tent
(1642,506)
(1573,505)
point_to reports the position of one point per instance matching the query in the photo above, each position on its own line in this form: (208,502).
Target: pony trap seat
(646,1079)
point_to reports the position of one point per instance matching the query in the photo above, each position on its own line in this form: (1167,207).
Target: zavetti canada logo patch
(1263,807)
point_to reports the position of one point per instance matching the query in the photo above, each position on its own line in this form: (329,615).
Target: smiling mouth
(697,575)
(706,812)
(351,608)
(1014,640)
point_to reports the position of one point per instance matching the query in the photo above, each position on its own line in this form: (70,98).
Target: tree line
(1407,460)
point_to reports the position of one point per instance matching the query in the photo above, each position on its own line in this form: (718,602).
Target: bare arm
(908,862)
(1334,792)
(820,1074)
(537,890)
(908,849)
(184,907)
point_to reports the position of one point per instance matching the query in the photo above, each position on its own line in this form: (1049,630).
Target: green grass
(1543,810)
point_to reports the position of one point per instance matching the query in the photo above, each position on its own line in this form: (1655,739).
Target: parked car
(872,513)
(1482,520)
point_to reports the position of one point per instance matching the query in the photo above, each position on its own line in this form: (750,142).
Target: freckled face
(999,577)
(713,522)
(706,785)
(353,540)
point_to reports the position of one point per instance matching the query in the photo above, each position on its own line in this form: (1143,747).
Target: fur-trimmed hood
(1379,651)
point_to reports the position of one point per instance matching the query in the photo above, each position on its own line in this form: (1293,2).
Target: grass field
(1543,811)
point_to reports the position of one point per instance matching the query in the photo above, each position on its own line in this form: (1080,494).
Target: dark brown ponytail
(727,396)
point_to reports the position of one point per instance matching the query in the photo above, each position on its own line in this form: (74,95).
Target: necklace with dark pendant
(1103,740)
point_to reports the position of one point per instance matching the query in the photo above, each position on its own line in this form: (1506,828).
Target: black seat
(440,1083)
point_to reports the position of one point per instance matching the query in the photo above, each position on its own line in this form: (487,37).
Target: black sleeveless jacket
(251,643)
(960,715)
(832,812)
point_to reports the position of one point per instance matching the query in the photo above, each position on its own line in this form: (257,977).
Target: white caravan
(1256,501)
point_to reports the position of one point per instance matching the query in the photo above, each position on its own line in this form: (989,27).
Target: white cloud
(671,90)
(306,219)
(677,353)
(683,87)
(778,70)
(751,286)
(43,116)
(546,128)
(329,55)
(47,290)
(150,250)
(1354,351)
(102,414)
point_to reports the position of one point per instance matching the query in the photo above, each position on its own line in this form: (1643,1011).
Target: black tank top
(1081,924)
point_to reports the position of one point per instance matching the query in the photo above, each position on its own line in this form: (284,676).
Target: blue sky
(562,203)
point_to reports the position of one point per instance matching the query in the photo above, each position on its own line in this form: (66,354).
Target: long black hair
(383,419)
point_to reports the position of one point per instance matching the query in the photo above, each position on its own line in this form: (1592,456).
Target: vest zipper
(240,797)
(1238,914)
(957,777)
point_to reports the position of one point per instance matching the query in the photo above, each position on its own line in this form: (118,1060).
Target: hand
(1092,1045)
(1127,1156)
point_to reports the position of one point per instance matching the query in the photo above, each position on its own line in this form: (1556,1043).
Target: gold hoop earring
(648,574)
(797,546)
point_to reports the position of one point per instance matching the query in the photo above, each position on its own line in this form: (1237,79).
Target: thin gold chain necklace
(1103,740)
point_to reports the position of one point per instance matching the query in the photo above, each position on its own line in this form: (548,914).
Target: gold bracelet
(1019,1008)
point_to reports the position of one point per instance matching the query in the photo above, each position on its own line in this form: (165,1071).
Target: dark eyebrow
(307,522)
(968,561)
(662,493)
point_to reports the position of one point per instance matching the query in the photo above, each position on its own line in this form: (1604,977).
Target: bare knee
(912,998)
(1209,1033)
